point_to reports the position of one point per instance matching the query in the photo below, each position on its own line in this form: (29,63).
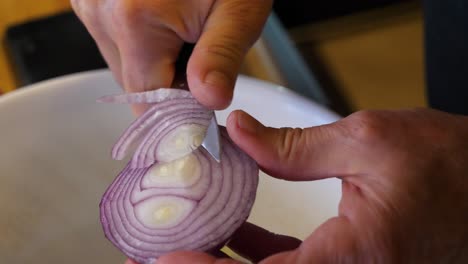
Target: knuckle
(368,126)
(135,82)
(249,15)
(292,142)
(226,48)
(129,12)
(123,12)
(242,8)
(143,14)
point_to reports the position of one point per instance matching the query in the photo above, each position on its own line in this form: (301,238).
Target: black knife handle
(180,77)
(184,56)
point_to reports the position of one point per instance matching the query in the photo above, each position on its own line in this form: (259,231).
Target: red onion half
(165,201)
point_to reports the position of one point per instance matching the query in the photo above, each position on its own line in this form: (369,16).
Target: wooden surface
(375,59)
(17,11)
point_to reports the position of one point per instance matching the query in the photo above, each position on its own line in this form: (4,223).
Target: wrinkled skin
(404,183)
(141,39)
(404,173)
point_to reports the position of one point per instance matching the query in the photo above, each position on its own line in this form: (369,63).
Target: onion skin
(199,216)
(148,97)
(147,128)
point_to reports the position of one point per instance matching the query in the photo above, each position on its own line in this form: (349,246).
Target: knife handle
(180,76)
(184,56)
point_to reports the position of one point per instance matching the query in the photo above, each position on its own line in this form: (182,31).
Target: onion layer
(172,195)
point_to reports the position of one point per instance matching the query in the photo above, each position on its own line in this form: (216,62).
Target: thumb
(293,154)
(230,30)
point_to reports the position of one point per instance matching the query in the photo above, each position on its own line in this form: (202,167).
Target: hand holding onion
(404,173)
(405,187)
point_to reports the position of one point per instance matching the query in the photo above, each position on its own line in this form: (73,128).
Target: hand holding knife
(211,142)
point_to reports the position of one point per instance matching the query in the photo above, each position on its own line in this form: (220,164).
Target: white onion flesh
(163,211)
(173,195)
(180,142)
(179,173)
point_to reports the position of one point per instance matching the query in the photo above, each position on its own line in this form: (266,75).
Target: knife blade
(211,142)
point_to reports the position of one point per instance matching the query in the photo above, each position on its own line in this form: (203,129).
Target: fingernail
(218,88)
(218,79)
(248,123)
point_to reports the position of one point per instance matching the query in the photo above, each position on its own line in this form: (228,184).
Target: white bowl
(55,164)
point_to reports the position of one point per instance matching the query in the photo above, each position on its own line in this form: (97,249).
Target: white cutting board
(55,164)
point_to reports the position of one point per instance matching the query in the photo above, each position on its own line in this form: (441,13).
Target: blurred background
(358,55)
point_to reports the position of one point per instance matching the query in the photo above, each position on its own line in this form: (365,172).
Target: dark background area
(295,13)
(63,42)
(366,54)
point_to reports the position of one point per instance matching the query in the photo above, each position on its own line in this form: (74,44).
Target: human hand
(141,40)
(249,240)
(404,186)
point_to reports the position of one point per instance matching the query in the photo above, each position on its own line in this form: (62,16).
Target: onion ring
(173,195)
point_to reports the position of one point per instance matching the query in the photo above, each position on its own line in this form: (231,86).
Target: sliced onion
(155,96)
(165,119)
(166,200)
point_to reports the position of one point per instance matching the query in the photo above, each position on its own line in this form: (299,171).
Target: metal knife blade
(211,142)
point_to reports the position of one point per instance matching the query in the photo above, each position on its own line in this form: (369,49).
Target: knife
(211,142)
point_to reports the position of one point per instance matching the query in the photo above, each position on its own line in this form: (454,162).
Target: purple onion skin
(216,215)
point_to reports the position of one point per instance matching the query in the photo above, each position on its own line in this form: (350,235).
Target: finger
(101,31)
(187,256)
(147,68)
(190,257)
(96,26)
(130,261)
(111,55)
(294,154)
(333,242)
(147,59)
(231,29)
(148,46)
(255,243)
